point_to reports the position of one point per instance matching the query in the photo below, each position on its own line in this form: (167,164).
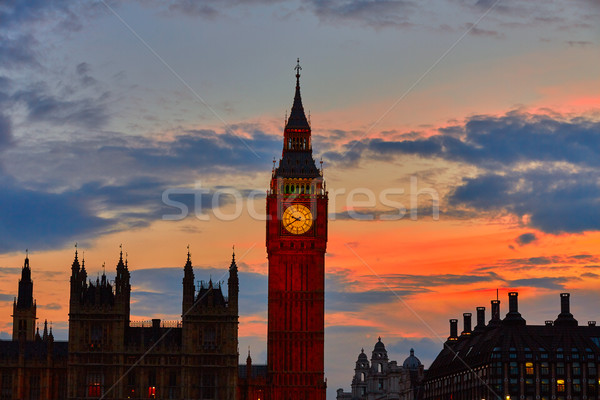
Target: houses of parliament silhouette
(108,356)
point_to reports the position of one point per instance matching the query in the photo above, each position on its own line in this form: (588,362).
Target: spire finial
(121,255)
(76,250)
(103,268)
(298,68)
(26,253)
(233,253)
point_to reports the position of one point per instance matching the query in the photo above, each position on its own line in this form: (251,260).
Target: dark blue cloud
(551,283)
(6,297)
(542,167)
(211,150)
(500,142)
(526,238)
(16,52)
(41,220)
(91,113)
(553,201)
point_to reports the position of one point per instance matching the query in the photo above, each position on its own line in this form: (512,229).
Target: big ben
(296,244)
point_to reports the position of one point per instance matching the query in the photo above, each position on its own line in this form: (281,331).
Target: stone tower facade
(296,244)
(24,307)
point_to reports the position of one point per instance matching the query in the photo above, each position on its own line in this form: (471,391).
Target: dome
(411,361)
(362,356)
(379,346)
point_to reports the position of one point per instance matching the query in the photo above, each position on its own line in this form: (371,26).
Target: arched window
(289,143)
(362,376)
(379,368)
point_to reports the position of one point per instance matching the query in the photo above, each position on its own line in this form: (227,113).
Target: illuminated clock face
(297,219)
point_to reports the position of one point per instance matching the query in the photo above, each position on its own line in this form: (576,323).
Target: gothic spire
(25,294)
(189,290)
(297,119)
(233,265)
(122,285)
(26,271)
(75,265)
(188,269)
(120,264)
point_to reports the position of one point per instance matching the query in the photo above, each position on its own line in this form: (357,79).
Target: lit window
(529,368)
(560,385)
(94,387)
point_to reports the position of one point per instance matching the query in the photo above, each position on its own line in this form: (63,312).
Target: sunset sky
(492,107)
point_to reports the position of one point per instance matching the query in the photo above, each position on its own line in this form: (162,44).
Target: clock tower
(296,244)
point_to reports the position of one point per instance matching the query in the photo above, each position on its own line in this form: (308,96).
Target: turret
(379,357)
(233,284)
(361,373)
(24,307)
(249,366)
(122,284)
(188,285)
(45,335)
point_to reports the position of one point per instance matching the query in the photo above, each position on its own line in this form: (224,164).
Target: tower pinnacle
(298,68)
(297,119)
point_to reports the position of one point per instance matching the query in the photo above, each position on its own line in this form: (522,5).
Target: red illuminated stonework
(296,244)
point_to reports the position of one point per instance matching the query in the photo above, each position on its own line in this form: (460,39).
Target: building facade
(296,244)
(252,381)
(32,366)
(382,379)
(108,356)
(509,359)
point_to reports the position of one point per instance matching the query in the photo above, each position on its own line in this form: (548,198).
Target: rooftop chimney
(565,318)
(513,317)
(466,324)
(480,319)
(495,313)
(453,330)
